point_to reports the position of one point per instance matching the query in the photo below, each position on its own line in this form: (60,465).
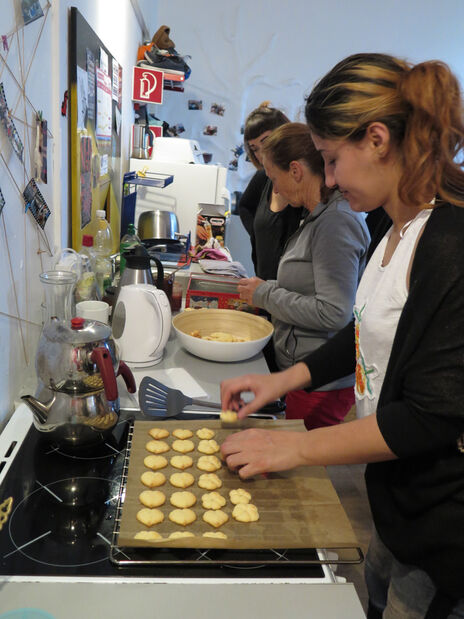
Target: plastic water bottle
(103,246)
(128,242)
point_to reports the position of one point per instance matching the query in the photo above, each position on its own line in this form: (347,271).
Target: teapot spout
(39,410)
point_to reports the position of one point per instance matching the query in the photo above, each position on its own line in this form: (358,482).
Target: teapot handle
(128,377)
(102,358)
(160,273)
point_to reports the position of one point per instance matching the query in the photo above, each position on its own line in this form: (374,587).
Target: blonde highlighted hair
(420,104)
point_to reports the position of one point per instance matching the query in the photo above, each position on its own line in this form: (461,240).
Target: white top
(380,298)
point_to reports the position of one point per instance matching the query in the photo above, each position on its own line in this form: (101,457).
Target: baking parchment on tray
(297,509)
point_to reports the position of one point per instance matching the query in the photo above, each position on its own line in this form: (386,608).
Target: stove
(65,508)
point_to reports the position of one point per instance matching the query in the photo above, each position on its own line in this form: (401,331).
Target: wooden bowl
(258,331)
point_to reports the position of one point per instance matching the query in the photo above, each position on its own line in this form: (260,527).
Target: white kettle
(141,324)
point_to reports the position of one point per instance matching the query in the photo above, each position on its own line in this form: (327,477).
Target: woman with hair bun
(391,135)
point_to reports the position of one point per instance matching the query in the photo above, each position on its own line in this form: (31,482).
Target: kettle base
(144,364)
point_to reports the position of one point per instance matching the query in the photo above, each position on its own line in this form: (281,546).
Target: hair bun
(265,104)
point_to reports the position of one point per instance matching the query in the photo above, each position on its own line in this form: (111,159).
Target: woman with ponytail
(391,134)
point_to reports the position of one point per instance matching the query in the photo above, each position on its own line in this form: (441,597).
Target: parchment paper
(298,509)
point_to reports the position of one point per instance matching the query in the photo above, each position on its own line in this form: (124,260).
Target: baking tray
(299,510)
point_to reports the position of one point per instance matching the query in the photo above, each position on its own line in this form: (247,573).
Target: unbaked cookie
(155,462)
(215,517)
(245,512)
(181,462)
(182,480)
(209,463)
(182,516)
(209,481)
(177,534)
(152,498)
(183,446)
(239,496)
(205,433)
(152,480)
(182,434)
(149,517)
(158,433)
(218,534)
(208,446)
(228,416)
(157,447)
(148,535)
(183,499)
(213,500)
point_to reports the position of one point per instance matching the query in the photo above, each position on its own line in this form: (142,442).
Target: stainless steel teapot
(77,401)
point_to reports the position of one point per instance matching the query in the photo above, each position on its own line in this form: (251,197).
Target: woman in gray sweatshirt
(318,274)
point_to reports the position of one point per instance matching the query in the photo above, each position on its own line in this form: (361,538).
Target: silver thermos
(142,140)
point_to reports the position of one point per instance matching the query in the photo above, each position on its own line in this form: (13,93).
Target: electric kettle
(141,324)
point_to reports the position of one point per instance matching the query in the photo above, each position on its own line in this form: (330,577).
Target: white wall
(247,51)
(23,252)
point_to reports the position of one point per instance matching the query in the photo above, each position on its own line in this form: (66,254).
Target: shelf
(151,179)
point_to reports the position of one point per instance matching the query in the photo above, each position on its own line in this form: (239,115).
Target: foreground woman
(391,134)
(313,294)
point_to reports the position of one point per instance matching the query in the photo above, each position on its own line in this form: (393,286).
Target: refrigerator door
(192,184)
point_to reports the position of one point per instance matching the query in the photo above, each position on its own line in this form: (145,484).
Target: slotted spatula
(157,400)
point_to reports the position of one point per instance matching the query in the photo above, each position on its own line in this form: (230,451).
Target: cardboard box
(215,293)
(212,219)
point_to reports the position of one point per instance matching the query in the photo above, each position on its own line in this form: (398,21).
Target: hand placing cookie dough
(208,446)
(212,500)
(215,517)
(152,498)
(152,480)
(183,446)
(209,463)
(157,447)
(182,433)
(150,517)
(158,433)
(182,480)
(155,462)
(239,496)
(181,462)
(183,499)
(209,481)
(245,512)
(205,433)
(182,516)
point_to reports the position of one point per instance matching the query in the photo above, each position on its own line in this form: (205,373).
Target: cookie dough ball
(209,463)
(215,517)
(182,480)
(205,433)
(152,480)
(209,481)
(182,433)
(183,517)
(152,498)
(183,446)
(177,534)
(155,462)
(213,500)
(150,517)
(148,535)
(218,534)
(181,462)
(245,512)
(157,447)
(239,496)
(228,416)
(183,499)
(208,446)
(158,433)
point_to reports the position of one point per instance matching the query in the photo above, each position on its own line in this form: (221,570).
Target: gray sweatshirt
(315,290)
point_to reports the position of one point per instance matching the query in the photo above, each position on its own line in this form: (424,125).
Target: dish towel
(223,267)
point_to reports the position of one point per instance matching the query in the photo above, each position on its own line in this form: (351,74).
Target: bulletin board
(94,121)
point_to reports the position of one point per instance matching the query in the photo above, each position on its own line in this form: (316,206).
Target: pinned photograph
(210,130)
(233,165)
(31,10)
(35,203)
(218,109)
(193,104)
(238,150)
(2,201)
(9,126)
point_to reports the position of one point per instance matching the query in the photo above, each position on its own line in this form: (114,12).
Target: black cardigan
(417,501)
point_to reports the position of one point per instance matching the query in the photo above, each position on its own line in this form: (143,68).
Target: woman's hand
(263,451)
(265,387)
(247,286)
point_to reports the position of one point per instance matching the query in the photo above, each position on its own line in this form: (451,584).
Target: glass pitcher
(58,287)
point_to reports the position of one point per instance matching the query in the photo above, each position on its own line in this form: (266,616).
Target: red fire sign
(147,85)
